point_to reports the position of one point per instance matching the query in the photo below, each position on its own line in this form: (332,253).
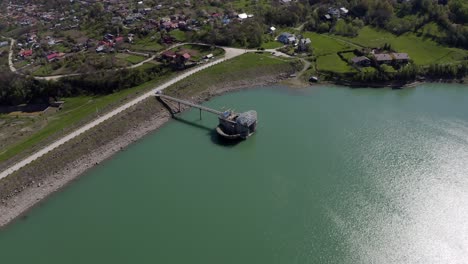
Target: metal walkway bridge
(180,101)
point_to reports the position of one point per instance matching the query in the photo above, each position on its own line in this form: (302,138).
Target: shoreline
(28,197)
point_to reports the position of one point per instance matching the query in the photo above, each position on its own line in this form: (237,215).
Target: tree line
(411,72)
(19,89)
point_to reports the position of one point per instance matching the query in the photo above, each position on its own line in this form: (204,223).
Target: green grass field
(422,51)
(325,45)
(272,45)
(333,63)
(348,55)
(247,66)
(325,50)
(147,44)
(61,48)
(43,70)
(133,59)
(178,35)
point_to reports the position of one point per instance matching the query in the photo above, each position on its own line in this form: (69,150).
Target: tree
(345,29)
(323,27)
(381,12)
(96,10)
(459,9)
(360,7)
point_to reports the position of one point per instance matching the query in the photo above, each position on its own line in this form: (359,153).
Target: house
(52,57)
(25,53)
(108,36)
(400,57)
(169,25)
(242,16)
(327,17)
(182,25)
(272,29)
(130,38)
(3,44)
(226,20)
(334,12)
(303,44)
(287,38)
(168,55)
(186,56)
(361,61)
(101,48)
(383,58)
(344,11)
(116,20)
(209,56)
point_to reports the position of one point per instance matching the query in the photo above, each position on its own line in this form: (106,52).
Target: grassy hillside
(422,51)
(247,67)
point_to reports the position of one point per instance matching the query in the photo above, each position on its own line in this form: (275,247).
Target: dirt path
(300,27)
(10,55)
(306,66)
(230,53)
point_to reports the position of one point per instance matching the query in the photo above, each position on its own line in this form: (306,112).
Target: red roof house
(119,39)
(186,56)
(51,57)
(26,53)
(54,56)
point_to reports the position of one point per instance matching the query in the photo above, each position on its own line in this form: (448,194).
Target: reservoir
(332,175)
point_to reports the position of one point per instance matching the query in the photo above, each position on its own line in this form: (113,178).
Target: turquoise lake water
(334,175)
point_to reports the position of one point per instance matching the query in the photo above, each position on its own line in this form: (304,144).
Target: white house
(344,11)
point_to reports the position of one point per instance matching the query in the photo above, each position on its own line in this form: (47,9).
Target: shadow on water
(211,132)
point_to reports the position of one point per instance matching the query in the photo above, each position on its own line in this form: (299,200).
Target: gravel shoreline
(46,181)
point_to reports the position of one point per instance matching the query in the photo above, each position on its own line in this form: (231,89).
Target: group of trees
(398,17)
(18,89)
(289,15)
(248,34)
(411,71)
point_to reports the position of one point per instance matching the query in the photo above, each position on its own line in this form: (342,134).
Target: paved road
(230,53)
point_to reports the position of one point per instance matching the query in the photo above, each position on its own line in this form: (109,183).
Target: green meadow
(423,51)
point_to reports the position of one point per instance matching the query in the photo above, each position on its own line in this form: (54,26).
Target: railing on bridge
(180,101)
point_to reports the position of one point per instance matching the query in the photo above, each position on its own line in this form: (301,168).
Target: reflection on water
(422,211)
